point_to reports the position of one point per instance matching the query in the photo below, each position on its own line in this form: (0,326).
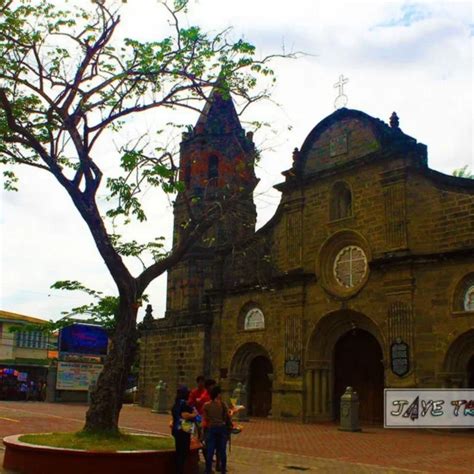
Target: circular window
(254,319)
(342,266)
(350,266)
(469,299)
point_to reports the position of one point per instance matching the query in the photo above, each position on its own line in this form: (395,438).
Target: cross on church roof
(341,99)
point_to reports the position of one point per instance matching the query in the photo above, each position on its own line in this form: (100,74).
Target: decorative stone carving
(400,333)
(395,216)
(293,342)
(294,233)
(394,121)
(400,322)
(338,145)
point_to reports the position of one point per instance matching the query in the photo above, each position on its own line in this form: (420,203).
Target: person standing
(196,400)
(181,411)
(195,397)
(216,416)
(209,384)
(24,391)
(206,397)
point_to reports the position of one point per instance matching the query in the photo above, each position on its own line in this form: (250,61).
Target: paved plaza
(268,446)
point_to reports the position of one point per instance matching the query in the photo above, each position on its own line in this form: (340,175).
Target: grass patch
(94,442)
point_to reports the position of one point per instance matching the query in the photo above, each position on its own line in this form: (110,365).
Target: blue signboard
(83,339)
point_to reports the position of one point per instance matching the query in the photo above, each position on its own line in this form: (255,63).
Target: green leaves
(9,181)
(103,310)
(155,248)
(74,285)
(463,172)
(128,203)
(140,170)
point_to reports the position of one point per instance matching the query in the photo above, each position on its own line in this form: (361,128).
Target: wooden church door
(358,363)
(470,373)
(260,387)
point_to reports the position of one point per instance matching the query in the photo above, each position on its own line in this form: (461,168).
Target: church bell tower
(216,162)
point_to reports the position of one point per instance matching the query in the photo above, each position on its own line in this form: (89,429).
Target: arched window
(254,319)
(341,201)
(464,294)
(213,169)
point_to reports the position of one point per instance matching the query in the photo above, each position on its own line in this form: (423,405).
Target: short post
(160,399)
(50,395)
(90,389)
(239,397)
(349,411)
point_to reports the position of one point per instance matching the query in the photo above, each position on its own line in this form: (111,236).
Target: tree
(65,85)
(463,172)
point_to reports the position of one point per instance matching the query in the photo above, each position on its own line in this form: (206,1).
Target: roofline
(16,317)
(449,180)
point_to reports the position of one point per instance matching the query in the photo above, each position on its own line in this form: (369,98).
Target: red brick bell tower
(216,160)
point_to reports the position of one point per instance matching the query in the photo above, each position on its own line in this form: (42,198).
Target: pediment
(343,136)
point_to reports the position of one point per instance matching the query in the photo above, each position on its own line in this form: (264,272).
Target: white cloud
(415,58)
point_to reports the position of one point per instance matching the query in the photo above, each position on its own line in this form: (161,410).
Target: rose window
(350,266)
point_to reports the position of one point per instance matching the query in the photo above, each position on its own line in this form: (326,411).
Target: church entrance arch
(345,349)
(252,366)
(459,362)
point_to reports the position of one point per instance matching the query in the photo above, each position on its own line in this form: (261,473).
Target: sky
(415,58)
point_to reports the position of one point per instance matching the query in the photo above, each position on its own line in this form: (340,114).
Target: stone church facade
(364,276)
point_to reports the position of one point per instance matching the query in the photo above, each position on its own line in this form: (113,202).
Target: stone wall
(176,355)
(441,213)
(281,337)
(438,324)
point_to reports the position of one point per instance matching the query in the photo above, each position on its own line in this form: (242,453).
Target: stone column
(324,373)
(309,393)
(318,391)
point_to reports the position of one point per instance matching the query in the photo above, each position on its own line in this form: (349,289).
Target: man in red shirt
(195,397)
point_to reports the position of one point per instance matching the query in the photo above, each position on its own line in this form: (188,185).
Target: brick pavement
(272,445)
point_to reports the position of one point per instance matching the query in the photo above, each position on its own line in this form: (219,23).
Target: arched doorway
(260,386)
(252,365)
(358,363)
(458,368)
(346,348)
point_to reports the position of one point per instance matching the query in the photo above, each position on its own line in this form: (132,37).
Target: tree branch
(187,239)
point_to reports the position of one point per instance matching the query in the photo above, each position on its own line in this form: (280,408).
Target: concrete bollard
(239,397)
(349,411)
(51,383)
(160,399)
(90,389)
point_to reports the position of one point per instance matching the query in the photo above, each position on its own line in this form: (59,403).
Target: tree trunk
(107,398)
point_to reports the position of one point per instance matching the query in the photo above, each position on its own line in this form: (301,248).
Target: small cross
(341,99)
(342,80)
